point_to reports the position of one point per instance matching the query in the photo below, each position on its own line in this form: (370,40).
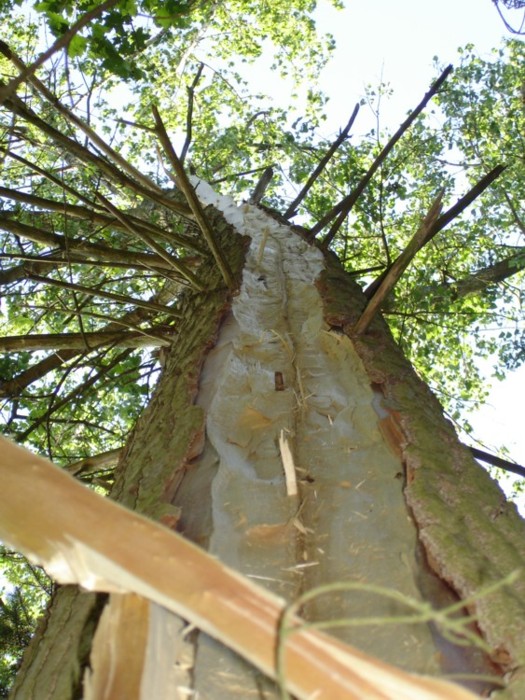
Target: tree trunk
(301,455)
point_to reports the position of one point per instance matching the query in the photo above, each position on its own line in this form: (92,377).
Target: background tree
(103,258)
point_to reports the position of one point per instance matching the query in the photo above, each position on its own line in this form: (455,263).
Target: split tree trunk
(274,380)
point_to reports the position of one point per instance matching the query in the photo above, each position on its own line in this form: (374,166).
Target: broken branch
(344,207)
(182,182)
(399,266)
(291,211)
(466,200)
(102,546)
(446,218)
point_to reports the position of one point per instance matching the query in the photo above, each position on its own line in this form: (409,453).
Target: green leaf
(77,46)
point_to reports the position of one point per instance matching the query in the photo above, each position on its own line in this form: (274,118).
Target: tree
(287,433)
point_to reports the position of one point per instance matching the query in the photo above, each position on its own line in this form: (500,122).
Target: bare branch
(261,186)
(292,209)
(497,461)
(175,264)
(479,280)
(94,215)
(91,291)
(344,207)
(399,266)
(189,115)
(182,182)
(94,463)
(87,254)
(151,337)
(115,258)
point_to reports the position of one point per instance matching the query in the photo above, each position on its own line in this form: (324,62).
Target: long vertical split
(282,389)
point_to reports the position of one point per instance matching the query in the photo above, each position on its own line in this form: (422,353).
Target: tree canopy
(97,247)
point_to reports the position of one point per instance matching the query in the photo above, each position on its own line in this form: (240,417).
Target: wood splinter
(288,465)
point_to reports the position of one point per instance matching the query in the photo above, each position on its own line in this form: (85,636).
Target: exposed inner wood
(349,520)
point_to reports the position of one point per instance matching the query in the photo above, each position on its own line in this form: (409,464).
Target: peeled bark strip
(119,650)
(281,368)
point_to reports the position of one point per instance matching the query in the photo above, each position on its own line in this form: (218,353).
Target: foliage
(90,247)
(21,601)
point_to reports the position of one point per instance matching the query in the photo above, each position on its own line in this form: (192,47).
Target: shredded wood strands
(102,546)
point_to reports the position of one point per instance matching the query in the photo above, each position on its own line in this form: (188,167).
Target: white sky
(396,40)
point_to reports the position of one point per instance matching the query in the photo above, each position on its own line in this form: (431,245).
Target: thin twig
(91,291)
(9,89)
(189,114)
(399,266)
(343,208)
(181,180)
(136,125)
(292,209)
(519,222)
(76,392)
(236,176)
(178,266)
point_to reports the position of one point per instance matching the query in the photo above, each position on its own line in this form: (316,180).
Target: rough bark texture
(285,372)
(53,661)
